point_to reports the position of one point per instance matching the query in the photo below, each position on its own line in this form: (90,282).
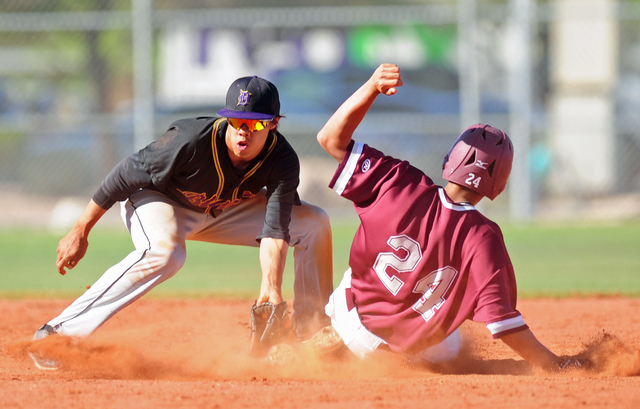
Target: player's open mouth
(242,145)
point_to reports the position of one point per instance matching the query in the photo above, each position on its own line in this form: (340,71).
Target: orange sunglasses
(252,124)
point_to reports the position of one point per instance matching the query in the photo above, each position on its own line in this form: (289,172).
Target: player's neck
(461,195)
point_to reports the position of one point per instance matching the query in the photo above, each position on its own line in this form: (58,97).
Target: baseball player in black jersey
(229,180)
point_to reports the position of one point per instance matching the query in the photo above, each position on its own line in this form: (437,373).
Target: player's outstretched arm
(273,255)
(525,344)
(73,246)
(336,134)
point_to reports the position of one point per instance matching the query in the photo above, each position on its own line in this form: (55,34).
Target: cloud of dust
(124,356)
(611,357)
(205,358)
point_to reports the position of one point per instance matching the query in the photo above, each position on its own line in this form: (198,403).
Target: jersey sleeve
(282,193)
(497,295)
(125,178)
(162,157)
(151,166)
(365,173)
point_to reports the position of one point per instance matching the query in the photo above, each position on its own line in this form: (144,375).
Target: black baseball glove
(270,324)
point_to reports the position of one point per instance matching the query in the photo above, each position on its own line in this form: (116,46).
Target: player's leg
(158,230)
(346,321)
(445,351)
(312,244)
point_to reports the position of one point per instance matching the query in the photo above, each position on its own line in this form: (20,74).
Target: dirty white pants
(159,228)
(363,342)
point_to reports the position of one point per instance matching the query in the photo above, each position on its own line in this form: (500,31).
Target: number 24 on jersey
(433,286)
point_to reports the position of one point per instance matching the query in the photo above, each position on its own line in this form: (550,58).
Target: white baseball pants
(363,342)
(159,229)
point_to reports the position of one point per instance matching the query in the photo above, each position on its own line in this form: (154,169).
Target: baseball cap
(251,98)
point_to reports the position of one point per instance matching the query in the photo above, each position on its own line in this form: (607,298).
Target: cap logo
(243,98)
(481,164)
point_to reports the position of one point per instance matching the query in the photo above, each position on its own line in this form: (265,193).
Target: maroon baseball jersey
(421,264)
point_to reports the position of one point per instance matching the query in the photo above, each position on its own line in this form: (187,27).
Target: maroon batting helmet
(480,159)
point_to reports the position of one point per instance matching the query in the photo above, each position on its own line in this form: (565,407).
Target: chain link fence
(85,84)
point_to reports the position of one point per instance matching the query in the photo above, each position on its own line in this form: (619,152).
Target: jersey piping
(349,168)
(453,206)
(216,160)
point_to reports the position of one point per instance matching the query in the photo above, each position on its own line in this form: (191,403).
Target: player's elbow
(330,144)
(323,139)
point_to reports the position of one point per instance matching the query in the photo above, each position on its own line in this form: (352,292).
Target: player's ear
(274,123)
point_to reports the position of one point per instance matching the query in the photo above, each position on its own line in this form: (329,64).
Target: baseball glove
(270,324)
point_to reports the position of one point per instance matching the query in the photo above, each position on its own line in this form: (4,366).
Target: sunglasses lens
(252,124)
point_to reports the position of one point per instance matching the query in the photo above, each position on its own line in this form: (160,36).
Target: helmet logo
(481,164)
(472,180)
(243,98)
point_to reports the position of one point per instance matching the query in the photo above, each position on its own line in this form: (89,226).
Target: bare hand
(71,249)
(269,295)
(386,78)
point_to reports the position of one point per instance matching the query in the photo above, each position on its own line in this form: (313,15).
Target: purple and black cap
(252,98)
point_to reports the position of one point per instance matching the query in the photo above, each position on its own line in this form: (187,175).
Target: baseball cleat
(38,359)
(326,342)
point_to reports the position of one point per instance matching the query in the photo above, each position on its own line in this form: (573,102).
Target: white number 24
(472,180)
(433,287)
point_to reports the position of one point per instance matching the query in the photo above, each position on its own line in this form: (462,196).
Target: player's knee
(445,351)
(310,227)
(168,257)
(315,218)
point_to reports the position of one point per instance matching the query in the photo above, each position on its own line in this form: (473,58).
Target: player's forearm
(335,135)
(525,344)
(273,255)
(90,216)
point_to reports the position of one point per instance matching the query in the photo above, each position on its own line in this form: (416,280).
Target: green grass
(555,261)
(576,259)
(27,265)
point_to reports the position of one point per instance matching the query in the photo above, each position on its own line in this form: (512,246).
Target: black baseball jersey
(190,164)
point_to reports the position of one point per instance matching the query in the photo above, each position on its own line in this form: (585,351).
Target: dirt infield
(192,354)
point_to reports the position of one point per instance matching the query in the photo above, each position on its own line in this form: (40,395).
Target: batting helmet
(480,159)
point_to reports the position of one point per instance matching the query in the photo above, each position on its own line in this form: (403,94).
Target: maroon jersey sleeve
(493,276)
(362,178)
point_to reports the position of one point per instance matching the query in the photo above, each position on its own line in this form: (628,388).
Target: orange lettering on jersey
(201,200)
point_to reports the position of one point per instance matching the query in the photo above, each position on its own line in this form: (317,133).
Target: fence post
(519,68)
(143,106)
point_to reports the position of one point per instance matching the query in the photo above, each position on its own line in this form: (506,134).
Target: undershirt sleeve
(282,195)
